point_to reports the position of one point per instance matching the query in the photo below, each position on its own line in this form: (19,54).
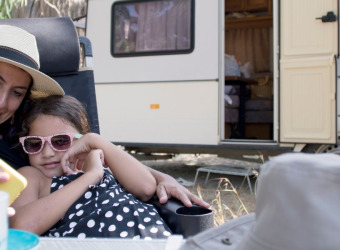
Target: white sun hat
(297,207)
(19,48)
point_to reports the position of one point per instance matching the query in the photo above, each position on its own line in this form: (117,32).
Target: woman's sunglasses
(59,142)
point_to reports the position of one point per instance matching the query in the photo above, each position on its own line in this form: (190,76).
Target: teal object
(21,240)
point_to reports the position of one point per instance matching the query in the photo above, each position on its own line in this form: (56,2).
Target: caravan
(222,76)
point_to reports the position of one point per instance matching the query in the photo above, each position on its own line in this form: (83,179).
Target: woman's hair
(68,108)
(16,121)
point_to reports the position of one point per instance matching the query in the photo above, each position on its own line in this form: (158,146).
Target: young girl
(93,202)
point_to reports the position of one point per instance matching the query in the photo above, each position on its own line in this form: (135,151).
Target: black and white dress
(107,210)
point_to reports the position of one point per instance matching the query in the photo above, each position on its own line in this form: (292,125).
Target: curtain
(250,45)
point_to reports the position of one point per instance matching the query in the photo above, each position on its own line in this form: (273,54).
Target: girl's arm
(37,210)
(131,174)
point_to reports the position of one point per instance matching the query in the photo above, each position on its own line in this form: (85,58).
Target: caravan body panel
(158,99)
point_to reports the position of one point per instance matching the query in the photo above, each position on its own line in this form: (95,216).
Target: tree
(42,8)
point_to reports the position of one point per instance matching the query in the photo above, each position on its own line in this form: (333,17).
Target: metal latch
(330,17)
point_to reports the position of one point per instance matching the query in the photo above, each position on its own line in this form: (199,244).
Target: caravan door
(307,71)
(149,96)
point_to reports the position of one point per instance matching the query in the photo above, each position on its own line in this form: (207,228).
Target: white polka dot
(112,194)
(115,205)
(152,213)
(131,202)
(117,191)
(120,200)
(158,222)
(101,226)
(126,209)
(140,226)
(154,230)
(147,219)
(112,228)
(79,205)
(91,223)
(137,237)
(141,210)
(123,234)
(166,233)
(81,236)
(135,213)
(80,212)
(70,216)
(103,185)
(130,224)
(68,232)
(56,235)
(108,214)
(119,217)
(60,186)
(73,224)
(53,184)
(105,202)
(88,195)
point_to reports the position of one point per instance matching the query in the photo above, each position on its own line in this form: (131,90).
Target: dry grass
(228,196)
(227,201)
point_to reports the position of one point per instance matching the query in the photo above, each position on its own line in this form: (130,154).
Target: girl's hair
(68,108)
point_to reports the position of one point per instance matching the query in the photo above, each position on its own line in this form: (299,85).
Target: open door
(307,71)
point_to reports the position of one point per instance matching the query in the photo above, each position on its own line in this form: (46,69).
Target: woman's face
(14,83)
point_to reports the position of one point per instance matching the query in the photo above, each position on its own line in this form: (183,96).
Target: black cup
(187,221)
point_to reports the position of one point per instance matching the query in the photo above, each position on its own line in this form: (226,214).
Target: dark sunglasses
(59,142)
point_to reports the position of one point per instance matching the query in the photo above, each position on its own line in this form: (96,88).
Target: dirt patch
(228,195)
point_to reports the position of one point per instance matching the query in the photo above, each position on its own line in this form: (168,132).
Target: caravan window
(152,27)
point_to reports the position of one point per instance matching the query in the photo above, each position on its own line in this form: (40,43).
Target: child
(87,203)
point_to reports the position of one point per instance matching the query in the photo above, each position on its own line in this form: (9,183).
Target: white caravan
(217,76)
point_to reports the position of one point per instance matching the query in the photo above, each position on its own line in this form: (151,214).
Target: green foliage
(6,7)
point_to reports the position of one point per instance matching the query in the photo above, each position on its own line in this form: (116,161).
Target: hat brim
(43,85)
(229,235)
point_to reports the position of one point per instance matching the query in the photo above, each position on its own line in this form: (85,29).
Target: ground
(228,195)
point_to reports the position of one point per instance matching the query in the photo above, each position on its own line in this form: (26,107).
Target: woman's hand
(168,187)
(5,177)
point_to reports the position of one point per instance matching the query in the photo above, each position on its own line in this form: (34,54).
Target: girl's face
(14,83)
(48,160)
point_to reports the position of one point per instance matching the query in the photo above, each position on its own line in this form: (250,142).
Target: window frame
(154,52)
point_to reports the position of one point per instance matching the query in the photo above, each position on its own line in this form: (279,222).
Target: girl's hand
(75,156)
(94,162)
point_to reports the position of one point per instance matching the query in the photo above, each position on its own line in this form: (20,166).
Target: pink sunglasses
(59,142)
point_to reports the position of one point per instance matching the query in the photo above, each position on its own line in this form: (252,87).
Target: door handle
(330,17)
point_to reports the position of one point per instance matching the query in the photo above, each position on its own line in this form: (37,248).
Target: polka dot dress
(107,210)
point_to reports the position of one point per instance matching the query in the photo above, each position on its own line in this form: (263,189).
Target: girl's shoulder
(31,173)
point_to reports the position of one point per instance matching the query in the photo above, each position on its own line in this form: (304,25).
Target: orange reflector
(154,106)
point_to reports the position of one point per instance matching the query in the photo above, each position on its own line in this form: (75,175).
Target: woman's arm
(37,210)
(131,174)
(168,187)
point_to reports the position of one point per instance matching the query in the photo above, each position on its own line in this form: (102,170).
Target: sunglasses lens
(32,144)
(61,142)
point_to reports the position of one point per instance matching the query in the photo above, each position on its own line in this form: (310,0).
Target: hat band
(18,56)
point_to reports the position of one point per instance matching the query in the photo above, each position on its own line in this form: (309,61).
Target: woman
(21,80)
